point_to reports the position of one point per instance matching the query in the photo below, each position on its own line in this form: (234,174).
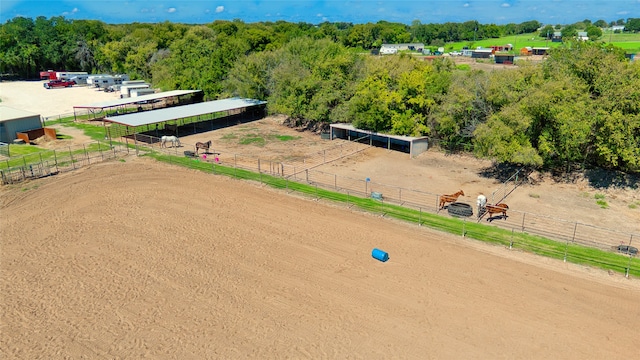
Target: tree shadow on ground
(503,172)
(603,179)
(597,178)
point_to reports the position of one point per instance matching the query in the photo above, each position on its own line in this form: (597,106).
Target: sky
(317,11)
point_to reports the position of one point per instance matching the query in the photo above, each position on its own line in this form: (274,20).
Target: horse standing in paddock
(205,146)
(449,198)
(497,209)
(171,128)
(172,139)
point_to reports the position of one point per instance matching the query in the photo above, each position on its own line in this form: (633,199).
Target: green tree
(601,24)
(594,33)
(547,32)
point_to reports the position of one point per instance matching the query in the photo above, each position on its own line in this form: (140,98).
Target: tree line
(580,106)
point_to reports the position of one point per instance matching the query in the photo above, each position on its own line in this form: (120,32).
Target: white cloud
(622,13)
(319,15)
(219,9)
(171,10)
(505,5)
(74,11)
(466,5)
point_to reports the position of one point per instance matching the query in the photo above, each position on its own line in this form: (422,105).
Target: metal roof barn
(414,146)
(185,111)
(121,105)
(185,119)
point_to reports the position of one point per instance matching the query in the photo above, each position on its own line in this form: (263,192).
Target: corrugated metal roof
(133,100)
(398,137)
(184,111)
(8,114)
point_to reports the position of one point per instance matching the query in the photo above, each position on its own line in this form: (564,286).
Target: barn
(98,111)
(539,50)
(148,126)
(13,121)
(481,53)
(413,146)
(506,59)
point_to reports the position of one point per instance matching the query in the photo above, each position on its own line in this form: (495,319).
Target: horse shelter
(413,146)
(149,126)
(165,99)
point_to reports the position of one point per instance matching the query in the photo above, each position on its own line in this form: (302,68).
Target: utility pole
(547,38)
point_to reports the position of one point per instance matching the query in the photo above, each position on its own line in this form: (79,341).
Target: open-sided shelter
(414,146)
(147,126)
(100,110)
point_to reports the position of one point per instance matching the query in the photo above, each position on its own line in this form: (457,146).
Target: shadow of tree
(503,172)
(603,179)
(597,178)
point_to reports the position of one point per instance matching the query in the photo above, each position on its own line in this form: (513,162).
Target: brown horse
(497,209)
(449,198)
(205,146)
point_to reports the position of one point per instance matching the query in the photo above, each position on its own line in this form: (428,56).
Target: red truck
(59,83)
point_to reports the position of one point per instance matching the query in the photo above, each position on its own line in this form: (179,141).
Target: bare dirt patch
(438,173)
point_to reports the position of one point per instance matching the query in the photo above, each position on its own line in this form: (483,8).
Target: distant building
(394,48)
(499,48)
(506,59)
(539,50)
(582,35)
(481,53)
(556,37)
(526,51)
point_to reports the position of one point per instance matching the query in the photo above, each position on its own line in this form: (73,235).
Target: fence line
(51,162)
(303,170)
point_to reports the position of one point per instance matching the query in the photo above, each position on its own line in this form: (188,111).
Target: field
(629,42)
(136,258)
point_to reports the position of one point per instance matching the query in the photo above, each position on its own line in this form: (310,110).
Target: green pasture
(573,253)
(23,155)
(629,42)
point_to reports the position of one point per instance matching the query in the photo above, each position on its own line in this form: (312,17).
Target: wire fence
(50,162)
(303,170)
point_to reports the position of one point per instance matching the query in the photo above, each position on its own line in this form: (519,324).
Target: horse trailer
(125,90)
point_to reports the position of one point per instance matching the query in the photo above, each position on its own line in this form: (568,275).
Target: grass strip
(535,244)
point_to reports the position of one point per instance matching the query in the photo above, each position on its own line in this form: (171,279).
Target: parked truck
(59,83)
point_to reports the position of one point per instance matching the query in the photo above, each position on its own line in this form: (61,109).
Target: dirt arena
(138,259)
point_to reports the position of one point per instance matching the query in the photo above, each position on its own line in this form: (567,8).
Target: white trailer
(93,77)
(140,92)
(125,90)
(62,75)
(133,82)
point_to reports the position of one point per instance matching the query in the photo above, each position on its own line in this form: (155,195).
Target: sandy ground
(139,259)
(32,96)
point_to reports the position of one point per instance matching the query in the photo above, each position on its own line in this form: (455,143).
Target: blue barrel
(380,255)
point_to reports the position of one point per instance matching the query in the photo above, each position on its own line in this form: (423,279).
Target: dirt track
(141,259)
